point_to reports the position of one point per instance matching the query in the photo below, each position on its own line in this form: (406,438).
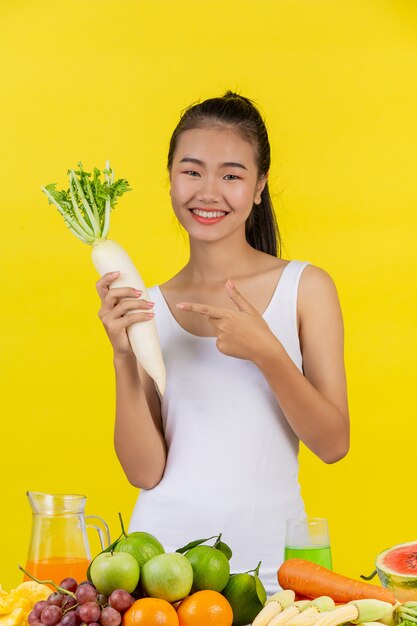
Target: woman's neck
(212,263)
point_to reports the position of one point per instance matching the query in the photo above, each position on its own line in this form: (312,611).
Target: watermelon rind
(403,585)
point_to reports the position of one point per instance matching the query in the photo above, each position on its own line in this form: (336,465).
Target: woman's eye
(193,173)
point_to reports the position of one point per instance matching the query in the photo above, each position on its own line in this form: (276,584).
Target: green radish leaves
(62,197)
(86,204)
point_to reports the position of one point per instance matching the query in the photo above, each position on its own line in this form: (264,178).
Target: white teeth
(208,213)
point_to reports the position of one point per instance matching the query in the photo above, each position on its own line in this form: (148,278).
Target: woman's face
(214,182)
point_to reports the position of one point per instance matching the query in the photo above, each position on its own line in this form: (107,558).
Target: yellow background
(91,80)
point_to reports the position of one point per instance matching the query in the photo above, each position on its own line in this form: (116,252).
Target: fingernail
(149,314)
(180,306)
(230,284)
(149,304)
(137,292)
(114,273)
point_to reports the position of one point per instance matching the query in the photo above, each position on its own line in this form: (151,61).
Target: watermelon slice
(397,570)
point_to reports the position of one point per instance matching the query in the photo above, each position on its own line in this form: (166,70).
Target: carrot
(312,580)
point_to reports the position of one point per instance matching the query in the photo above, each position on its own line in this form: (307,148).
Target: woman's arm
(315,404)
(138,434)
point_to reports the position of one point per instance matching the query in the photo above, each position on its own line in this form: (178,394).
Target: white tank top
(232,464)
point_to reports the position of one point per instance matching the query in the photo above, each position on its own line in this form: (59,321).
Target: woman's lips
(207,217)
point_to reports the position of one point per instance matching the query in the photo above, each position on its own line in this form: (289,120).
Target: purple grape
(38,607)
(70,584)
(120,600)
(68,603)
(51,615)
(55,598)
(86,582)
(86,593)
(110,617)
(70,619)
(32,617)
(89,612)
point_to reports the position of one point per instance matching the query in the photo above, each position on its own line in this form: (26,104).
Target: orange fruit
(150,612)
(206,607)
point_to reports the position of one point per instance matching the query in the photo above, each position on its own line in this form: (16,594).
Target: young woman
(253,347)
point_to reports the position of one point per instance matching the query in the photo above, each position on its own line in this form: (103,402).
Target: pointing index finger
(241,302)
(203,309)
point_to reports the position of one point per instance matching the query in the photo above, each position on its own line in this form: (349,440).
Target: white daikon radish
(86,207)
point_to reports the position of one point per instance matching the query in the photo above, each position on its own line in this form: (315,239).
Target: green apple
(167,576)
(114,570)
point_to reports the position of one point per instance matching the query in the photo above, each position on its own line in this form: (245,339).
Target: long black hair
(235,111)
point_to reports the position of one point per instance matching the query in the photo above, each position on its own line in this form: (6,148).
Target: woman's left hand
(242,333)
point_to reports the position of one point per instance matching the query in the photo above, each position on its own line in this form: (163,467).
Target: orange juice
(57,569)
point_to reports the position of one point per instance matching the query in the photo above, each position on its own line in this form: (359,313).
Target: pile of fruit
(135,582)
(190,586)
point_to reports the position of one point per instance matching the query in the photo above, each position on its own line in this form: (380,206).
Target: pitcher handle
(101,535)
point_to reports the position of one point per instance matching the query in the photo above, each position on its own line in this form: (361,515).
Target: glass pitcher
(59,545)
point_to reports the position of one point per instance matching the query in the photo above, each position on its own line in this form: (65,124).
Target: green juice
(317,554)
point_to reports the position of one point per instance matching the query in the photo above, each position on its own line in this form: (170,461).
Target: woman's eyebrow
(226,164)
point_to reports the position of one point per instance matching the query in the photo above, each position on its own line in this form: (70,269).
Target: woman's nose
(208,190)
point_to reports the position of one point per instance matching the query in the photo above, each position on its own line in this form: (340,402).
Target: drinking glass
(308,538)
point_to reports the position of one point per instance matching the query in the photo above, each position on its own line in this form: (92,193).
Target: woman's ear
(260,185)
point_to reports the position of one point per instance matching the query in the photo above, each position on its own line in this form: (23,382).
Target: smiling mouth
(208,214)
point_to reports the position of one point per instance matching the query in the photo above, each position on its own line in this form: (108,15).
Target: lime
(242,595)
(143,546)
(167,576)
(211,568)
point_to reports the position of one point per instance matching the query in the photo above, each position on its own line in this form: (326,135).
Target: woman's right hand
(120,308)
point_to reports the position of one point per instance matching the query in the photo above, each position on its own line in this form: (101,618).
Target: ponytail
(261,227)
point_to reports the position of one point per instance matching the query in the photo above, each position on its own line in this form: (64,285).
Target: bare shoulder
(316,283)
(317,295)
(321,335)
(314,277)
